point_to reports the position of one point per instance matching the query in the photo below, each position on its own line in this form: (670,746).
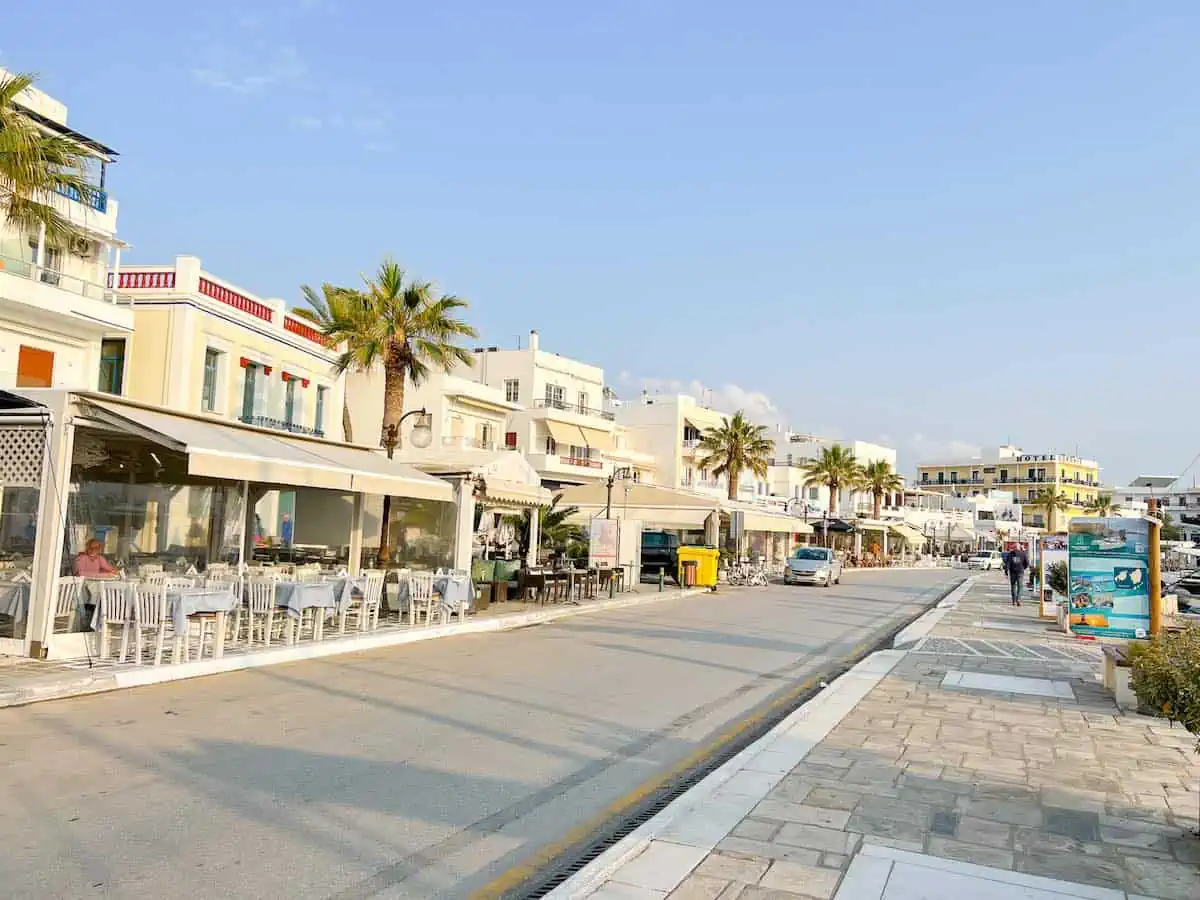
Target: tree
(1058,579)
(837,468)
(877,478)
(734,447)
(409,329)
(1169,531)
(331,305)
(554,531)
(1102,506)
(1050,500)
(35,164)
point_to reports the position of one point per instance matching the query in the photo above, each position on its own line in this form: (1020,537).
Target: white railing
(23,268)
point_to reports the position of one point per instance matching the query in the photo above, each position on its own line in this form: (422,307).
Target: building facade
(795,452)
(1179,501)
(61,324)
(203,345)
(1009,468)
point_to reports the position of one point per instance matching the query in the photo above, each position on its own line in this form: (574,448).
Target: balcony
(564,406)
(97,199)
(45,294)
(689,444)
(577,468)
(461,442)
(581,462)
(281,425)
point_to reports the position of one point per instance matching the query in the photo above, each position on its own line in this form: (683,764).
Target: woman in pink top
(91,564)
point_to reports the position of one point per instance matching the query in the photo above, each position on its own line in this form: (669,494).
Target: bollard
(612,586)
(662,579)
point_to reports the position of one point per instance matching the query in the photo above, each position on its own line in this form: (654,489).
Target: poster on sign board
(1053,570)
(602,542)
(1110,577)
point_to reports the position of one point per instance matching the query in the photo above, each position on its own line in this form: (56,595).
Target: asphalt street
(419,771)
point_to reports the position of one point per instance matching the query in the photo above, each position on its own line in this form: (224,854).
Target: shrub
(1166,677)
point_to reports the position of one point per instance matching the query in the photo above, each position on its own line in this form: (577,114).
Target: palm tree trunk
(733,475)
(393,410)
(347,429)
(878,498)
(833,492)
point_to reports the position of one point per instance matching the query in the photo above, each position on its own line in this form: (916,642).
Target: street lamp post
(623,472)
(422,436)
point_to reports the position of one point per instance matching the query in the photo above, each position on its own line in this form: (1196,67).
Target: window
(35,368)
(1041,475)
(925,477)
(578,452)
(249,390)
(319,415)
(512,389)
(554,396)
(510,440)
(989,470)
(1032,474)
(974,474)
(51,265)
(941,478)
(551,446)
(954,478)
(289,401)
(1003,475)
(485,435)
(813,493)
(583,401)
(208,393)
(112,365)
(1032,493)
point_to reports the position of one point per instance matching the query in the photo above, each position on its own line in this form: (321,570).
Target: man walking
(1018,562)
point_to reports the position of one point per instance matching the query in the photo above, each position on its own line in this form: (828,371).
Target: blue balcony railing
(280,425)
(97,199)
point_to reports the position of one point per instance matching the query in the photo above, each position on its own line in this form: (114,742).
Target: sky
(937,225)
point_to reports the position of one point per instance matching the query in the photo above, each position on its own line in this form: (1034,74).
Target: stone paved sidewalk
(1059,784)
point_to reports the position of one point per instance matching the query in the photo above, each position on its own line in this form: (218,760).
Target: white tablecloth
(14,600)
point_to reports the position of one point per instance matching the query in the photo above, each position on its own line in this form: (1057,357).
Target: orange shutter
(35,368)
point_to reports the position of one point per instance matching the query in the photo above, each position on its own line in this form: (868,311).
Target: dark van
(660,553)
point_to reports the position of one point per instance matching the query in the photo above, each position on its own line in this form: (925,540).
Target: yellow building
(1024,474)
(202,345)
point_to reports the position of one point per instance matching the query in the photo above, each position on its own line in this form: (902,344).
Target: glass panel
(18,531)
(421,533)
(319,419)
(209,394)
(112,366)
(248,391)
(304,525)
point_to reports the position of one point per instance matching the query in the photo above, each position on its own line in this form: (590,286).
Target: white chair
(261,607)
(149,569)
(420,598)
(366,610)
(457,585)
(67,604)
(233,584)
(150,614)
(115,608)
(217,570)
(308,573)
(155,576)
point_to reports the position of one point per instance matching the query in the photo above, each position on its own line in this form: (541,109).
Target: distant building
(1180,502)
(1009,468)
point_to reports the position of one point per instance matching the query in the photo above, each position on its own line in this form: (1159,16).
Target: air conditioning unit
(81,246)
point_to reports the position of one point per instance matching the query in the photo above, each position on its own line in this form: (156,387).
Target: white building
(794,452)
(562,426)
(1179,501)
(61,324)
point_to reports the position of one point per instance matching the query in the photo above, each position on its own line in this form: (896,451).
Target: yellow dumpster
(705,559)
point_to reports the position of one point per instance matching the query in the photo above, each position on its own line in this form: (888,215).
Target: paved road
(419,771)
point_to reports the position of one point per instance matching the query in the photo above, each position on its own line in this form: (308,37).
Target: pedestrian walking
(1018,562)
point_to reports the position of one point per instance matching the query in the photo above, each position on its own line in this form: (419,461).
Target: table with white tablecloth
(184,602)
(450,589)
(14,600)
(335,595)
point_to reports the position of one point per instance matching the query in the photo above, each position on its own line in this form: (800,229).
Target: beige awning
(501,490)
(652,505)
(564,433)
(597,439)
(907,532)
(756,518)
(235,452)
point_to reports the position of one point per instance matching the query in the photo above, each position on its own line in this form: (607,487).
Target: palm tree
(554,532)
(837,468)
(1050,500)
(1102,506)
(331,305)
(734,447)
(34,165)
(409,329)
(877,478)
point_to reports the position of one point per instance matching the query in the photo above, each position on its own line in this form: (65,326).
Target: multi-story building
(61,325)
(1179,501)
(563,426)
(795,452)
(465,414)
(1009,468)
(668,428)
(205,346)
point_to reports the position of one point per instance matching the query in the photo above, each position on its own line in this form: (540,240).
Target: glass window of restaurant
(18,532)
(301,525)
(132,503)
(420,536)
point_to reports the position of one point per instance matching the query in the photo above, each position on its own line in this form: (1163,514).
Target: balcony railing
(459,442)
(582,461)
(574,408)
(96,199)
(802,462)
(25,269)
(690,443)
(281,425)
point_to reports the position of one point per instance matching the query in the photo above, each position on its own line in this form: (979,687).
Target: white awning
(652,505)
(756,518)
(242,453)
(501,490)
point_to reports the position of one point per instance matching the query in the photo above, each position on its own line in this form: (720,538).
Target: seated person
(90,564)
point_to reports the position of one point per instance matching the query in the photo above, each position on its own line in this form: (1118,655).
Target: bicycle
(745,575)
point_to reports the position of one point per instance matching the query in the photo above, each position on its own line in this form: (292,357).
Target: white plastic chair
(155,576)
(150,614)
(233,584)
(67,604)
(115,608)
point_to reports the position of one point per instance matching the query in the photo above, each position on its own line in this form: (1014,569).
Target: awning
(241,453)
(597,439)
(564,433)
(756,518)
(907,532)
(501,490)
(652,505)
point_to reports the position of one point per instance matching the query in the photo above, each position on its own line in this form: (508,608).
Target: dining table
(333,596)
(451,589)
(182,602)
(14,600)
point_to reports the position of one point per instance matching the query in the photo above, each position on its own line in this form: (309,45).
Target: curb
(140,676)
(925,623)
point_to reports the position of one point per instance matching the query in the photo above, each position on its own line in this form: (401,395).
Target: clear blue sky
(938,224)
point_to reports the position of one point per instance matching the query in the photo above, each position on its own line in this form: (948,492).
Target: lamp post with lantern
(421,437)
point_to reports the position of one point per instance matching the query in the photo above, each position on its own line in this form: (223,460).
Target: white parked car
(813,565)
(985,560)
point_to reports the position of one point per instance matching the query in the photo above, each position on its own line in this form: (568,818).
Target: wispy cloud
(232,72)
(728,398)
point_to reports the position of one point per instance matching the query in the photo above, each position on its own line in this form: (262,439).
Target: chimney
(533,340)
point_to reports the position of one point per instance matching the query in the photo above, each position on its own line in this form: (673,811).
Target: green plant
(554,531)
(1050,500)
(1058,579)
(1102,506)
(877,479)
(1170,531)
(736,446)
(1166,677)
(332,305)
(837,468)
